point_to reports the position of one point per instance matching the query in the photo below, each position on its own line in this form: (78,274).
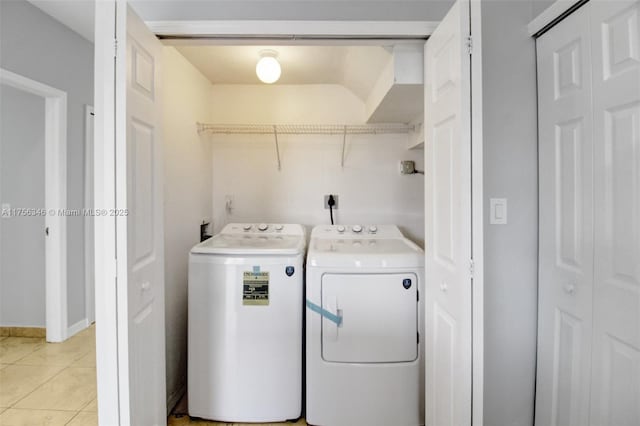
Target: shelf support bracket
(275,135)
(344,143)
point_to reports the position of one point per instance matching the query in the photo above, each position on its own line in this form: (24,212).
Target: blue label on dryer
(406,283)
(289,270)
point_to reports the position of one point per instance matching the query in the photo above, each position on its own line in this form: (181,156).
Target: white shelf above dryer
(305,129)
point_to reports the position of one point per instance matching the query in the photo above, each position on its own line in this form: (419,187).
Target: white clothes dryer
(364,321)
(245,324)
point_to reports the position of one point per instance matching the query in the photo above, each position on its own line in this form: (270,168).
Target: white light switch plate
(498,211)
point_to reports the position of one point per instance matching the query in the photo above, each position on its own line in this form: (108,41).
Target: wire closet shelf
(305,129)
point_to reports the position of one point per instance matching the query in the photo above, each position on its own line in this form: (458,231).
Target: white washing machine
(245,324)
(364,317)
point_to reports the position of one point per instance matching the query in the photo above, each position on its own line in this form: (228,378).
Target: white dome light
(268,68)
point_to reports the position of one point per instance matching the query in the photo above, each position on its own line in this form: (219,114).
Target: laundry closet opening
(281,174)
(339,120)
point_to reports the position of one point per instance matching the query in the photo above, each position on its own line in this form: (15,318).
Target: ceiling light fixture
(268,68)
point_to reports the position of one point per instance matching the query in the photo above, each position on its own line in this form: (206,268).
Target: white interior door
(565,224)
(139,223)
(448,221)
(615,390)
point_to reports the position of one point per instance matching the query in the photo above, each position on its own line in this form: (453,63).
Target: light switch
(498,211)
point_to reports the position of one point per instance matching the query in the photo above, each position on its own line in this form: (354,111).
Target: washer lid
(251,244)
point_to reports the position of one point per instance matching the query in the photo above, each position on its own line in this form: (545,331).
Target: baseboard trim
(23,332)
(77,327)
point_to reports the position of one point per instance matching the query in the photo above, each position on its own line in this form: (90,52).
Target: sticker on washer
(255,288)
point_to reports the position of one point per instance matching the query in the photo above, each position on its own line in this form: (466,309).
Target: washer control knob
(357,229)
(341,229)
(373,229)
(279,227)
(263,227)
(246,227)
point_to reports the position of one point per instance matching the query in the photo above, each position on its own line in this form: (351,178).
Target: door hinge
(471,267)
(469,44)
(418,296)
(418,338)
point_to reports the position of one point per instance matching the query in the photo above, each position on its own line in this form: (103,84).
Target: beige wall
(370,187)
(187,200)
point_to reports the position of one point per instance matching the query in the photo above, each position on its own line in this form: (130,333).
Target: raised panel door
(615,396)
(566,223)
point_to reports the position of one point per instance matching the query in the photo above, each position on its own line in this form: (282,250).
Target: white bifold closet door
(566,223)
(447,152)
(140,232)
(615,379)
(589,164)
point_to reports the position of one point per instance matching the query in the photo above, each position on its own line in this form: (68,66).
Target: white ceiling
(339,10)
(355,67)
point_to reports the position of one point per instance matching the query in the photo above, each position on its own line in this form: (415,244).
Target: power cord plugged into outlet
(331,202)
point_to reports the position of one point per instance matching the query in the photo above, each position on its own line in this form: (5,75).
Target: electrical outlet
(228,203)
(326,202)
(407,167)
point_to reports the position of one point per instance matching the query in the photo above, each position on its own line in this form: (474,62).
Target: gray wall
(36,46)
(359,10)
(22,295)
(510,171)
(540,5)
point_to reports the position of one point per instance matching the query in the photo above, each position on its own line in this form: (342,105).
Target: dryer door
(379,318)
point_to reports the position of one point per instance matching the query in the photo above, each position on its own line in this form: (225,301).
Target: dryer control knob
(263,227)
(341,229)
(357,229)
(373,229)
(246,227)
(279,227)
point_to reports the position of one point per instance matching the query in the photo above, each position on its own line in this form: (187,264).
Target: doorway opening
(55,200)
(138,62)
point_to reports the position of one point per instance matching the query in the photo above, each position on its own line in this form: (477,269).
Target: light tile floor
(54,384)
(48,383)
